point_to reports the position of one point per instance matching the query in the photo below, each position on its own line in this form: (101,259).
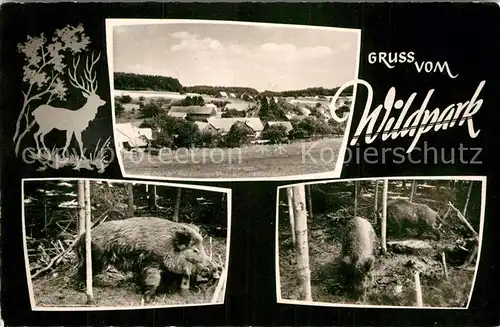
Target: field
(393,274)
(298,158)
(113,288)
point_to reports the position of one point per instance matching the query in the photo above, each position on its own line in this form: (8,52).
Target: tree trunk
(413,190)
(309,201)
(302,246)
(383,223)
(151,191)
(468,197)
(81,207)
(418,290)
(177,204)
(289,196)
(376,202)
(88,253)
(356,188)
(130,192)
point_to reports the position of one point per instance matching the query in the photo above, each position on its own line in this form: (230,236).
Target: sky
(264,57)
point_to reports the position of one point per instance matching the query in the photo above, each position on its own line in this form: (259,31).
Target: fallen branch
(51,263)
(445,268)
(462,218)
(58,258)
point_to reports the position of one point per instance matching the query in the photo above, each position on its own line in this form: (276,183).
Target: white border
(327,304)
(34,307)
(112,22)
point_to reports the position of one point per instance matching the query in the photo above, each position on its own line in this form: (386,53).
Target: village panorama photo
(212,100)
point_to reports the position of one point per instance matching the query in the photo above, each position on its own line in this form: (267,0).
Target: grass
(113,289)
(248,161)
(51,158)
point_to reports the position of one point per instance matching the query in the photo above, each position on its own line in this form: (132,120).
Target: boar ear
(368,265)
(183,238)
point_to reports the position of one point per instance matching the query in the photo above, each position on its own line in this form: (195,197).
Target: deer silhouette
(74,122)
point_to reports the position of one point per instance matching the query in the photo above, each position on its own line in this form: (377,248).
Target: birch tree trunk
(467,200)
(302,245)
(413,190)
(88,249)
(289,195)
(81,207)
(383,223)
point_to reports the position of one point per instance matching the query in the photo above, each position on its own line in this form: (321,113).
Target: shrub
(150,110)
(236,137)
(275,133)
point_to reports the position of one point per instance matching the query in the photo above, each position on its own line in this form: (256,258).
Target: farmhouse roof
(224,124)
(146,132)
(240,106)
(180,115)
(193,110)
(211,105)
(232,95)
(287,124)
(295,116)
(130,106)
(224,94)
(202,125)
(132,135)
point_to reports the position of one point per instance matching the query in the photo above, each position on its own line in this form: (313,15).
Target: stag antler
(89,84)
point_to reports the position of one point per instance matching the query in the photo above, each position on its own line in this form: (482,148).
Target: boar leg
(151,278)
(185,282)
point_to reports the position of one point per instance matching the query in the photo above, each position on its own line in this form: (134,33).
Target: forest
(311,91)
(138,82)
(428,262)
(57,215)
(214,90)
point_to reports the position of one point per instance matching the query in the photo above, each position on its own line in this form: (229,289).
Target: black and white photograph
(111,244)
(397,242)
(212,100)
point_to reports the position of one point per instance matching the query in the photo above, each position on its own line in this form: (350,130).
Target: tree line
(214,90)
(311,91)
(131,81)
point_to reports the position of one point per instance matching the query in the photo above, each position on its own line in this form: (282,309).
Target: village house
(130,106)
(246,97)
(223,125)
(211,105)
(195,113)
(292,116)
(206,128)
(222,94)
(128,136)
(344,101)
(241,106)
(180,115)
